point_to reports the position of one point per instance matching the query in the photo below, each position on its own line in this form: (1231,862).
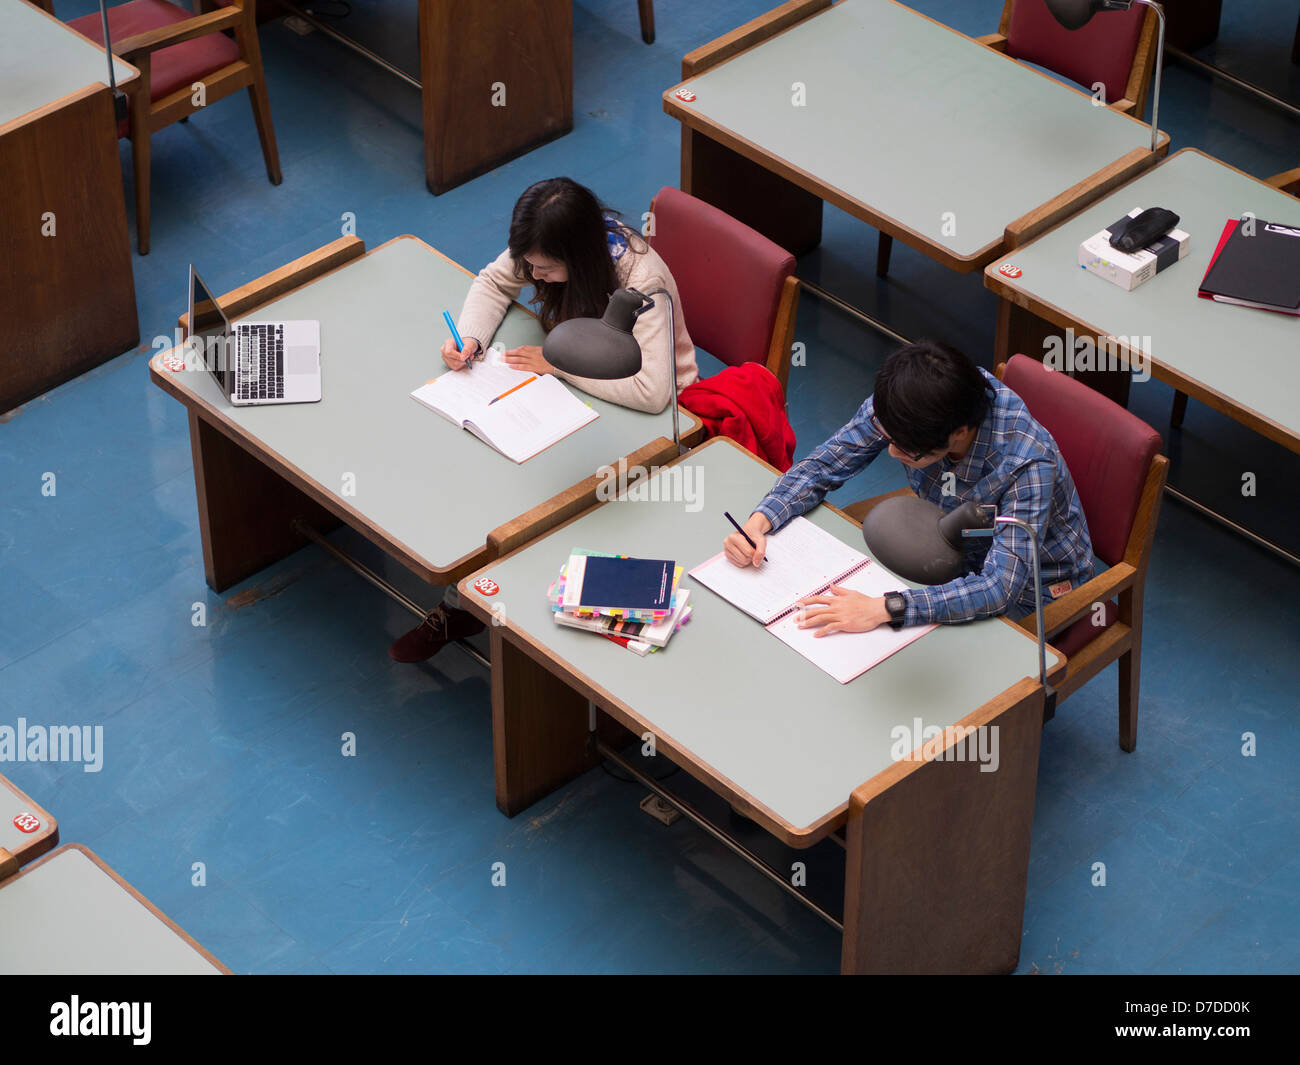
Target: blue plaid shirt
(1014,463)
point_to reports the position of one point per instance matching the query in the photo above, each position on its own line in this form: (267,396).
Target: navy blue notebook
(622,583)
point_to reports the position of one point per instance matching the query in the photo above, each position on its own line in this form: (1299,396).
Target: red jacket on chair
(745,403)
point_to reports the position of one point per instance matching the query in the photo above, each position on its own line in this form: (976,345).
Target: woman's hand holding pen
(458,360)
(738,549)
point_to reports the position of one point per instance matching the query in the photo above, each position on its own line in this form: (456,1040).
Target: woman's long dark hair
(564,221)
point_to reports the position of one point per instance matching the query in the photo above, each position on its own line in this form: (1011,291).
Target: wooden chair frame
(147,116)
(779,347)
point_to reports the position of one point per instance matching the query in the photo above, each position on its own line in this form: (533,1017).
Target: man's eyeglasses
(915,456)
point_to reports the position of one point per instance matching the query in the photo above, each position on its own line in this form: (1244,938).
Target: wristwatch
(897,607)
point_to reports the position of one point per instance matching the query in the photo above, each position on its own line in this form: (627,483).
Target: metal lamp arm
(672,352)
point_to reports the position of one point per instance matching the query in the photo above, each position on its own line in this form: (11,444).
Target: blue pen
(455,335)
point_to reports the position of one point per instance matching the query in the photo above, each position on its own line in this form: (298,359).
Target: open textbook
(520,414)
(803,559)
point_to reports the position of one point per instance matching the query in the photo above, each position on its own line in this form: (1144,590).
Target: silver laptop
(253,362)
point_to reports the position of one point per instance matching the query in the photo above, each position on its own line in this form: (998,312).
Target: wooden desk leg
(779,209)
(496,81)
(244,508)
(938,856)
(539,728)
(1020,332)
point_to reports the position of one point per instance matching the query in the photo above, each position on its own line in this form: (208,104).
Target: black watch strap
(896,604)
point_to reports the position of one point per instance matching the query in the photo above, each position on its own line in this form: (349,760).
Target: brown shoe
(439,628)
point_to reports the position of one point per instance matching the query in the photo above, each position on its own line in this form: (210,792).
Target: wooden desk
(69,914)
(26,830)
(912,127)
(937,851)
(1184,338)
(429,494)
(67,296)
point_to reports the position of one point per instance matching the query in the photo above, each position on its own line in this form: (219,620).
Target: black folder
(1257,264)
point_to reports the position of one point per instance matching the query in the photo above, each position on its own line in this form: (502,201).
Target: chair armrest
(1124,106)
(996,41)
(164,36)
(1065,611)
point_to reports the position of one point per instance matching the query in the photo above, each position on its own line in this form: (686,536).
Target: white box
(1128,271)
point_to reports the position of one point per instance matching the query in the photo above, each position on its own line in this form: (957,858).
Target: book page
(846,655)
(464,394)
(530,420)
(800,559)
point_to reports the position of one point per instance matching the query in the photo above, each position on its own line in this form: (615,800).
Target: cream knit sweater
(650,390)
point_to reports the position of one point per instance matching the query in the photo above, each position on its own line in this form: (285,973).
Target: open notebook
(531,412)
(803,559)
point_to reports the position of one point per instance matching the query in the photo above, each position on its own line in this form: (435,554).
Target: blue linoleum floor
(222,741)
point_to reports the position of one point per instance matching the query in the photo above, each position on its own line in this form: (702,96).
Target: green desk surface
(760,715)
(41,60)
(41,829)
(914,120)
(1248,357)
(67,914)
(433,487)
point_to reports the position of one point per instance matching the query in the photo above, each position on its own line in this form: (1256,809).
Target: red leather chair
(174,50)
(738,289)
(1116,48)
(1114,458)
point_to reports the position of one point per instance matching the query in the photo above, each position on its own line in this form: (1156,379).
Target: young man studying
(961,435)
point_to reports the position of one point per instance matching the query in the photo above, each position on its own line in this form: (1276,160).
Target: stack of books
(635,602)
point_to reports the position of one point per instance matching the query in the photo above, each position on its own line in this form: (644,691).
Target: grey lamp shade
(917,540)
(1075,14)
(604,348)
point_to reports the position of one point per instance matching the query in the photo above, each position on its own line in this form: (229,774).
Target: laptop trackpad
(301,361)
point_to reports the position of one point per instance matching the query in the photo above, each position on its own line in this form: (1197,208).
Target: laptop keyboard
(260,373)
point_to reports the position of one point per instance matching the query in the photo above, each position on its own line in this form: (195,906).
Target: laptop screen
(209,334)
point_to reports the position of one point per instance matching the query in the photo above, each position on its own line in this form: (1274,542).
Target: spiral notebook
(803,559)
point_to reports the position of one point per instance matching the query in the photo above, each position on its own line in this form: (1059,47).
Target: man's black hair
(927,391)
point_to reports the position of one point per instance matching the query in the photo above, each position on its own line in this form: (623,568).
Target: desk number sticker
(486,586)
(1010,270)
(174,363)
(27,822)
(685,94)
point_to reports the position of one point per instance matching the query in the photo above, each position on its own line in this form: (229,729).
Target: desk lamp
(604,348)
(919,542)
(1075,14)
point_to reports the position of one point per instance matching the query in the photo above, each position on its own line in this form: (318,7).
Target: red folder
(1230,227)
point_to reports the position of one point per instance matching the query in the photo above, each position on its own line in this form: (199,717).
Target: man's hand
(528,358)
(740,553)
(458,360)
(842,611)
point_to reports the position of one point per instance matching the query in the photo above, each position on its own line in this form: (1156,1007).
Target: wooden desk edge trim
(978,718)
(41,842)
(131,890)
(1083,194)
(744,37)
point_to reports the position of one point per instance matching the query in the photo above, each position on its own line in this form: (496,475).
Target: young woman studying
(574,253)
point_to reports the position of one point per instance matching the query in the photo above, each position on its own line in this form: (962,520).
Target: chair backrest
(729,276)
(1107,450)
(1102,51)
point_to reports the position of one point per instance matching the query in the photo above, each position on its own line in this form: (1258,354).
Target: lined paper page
(800,559)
